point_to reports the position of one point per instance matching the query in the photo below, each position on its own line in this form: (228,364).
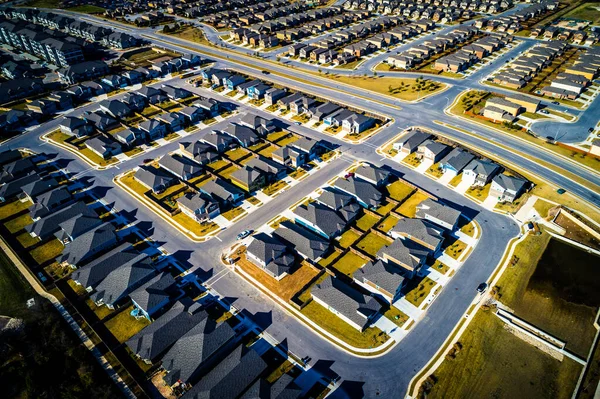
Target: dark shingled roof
(420,229)
(192,350)
(302,240)
(49,201)
(325,218)
(154,291)
(341,201)
(382,274)
(272,252)
(87,243)
(362,189)
(48,225)
(156,338)
(230,377)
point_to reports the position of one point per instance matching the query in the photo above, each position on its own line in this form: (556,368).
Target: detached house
(155,179)
(200,208)
(480,172)
(383,279)
(271,255)
(507,188)
(438,214)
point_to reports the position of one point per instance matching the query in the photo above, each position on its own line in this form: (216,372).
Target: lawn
(435,171)
(493,363)
(587,11)
(417,295)
(87,9)
(542,207)
(366,221)
(14,289)
(349,263)
(372,337)
(372,243)
(399,190)
(401,88)
(267,151)
(217,165)
(326,261)
(479,193)
(388,223)
(47,251)
(456,180)
(287,140)
(26,240)
(456,249)
(233,213)
(385,208)
(12,208)
(273,137)
(409,207)
(298,174)
(237,154)
(124,326)
(274,188)
(131,182)
(440,267)
(285,288)
(396,316)
(412,160)
(348,238)
(189,224)
(227,172)
(18,223)
(468,229)
(100,311)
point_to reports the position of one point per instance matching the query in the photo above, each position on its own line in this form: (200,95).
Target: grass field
(400,190)
(349,263)
(493,363)
(372,243)
(12,208)
(401,88)
(124,326)
(14,289)
(587,11)
(348,238)
(409,207)
(366,221)
(388,223)
(17,224)
(47,251)
(417,295)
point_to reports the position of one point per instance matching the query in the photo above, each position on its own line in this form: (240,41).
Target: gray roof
(153,177)
(200,151)
(362,189)
(247,175)
(408,253)
(272,252)
(220,189)
(421,230)
(156,338)
(181,166)
(96,271)
(193,349)
(153,292)
(435,147)
(244,134)
(383,274)
(481,167)
(38,187)
(341,201)
(458,159)
(230,377)
(85,245)
(15,187)
(16,169)
(283,388)
(265,165)
(346,300)
(9,156)
(48,201)
(195,201)
(302,240)
(74,227)
(372,173)
(49,224)
(325,218)
(437,210)
(414,138)
(509,183)
(218,139)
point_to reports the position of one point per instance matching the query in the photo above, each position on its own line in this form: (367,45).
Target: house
(438,214)
(210,106)
(152,95)
(174,121)
(48,225)
(343,203)
(158,337)
(248,178)
(88,244)
(16,169)
(406,254)
(530,104)
(198,151)
(377,176)
(382,279)
(153,295)
(182,167)
(367,194)
(271,255)
(114,81)
(221,142)
(200,208)
(455,161)
(153,129)
(245,136)
(208,339)
(432,150)
(101,121)
(175,93)
(273,95)
(507,188)
(42,106)
(49,202)
(103,147)
(13,188)
(302,104)
(480,172)
(126,137)
(222,191)
(155,179)
(508,106)
(94,272)
(231,377)
(420,231)
(134,101)
(411,141)
(318,113)
(192,114)
(232,81)
(33,189)
(357,123)
(304,242)
(10,156)
(262,126)
(345,302)
(272,170)
(74,126)
(284,387)
(320,218)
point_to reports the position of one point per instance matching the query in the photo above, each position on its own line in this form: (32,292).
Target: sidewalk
(407,308)
(390,328)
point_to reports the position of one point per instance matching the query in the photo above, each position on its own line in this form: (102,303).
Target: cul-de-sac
(300,199)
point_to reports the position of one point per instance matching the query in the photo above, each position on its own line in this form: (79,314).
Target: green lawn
(417,295)
(233,213)
(18,223)
(349,263)
(400,190)
(409,207)
(385,208)
(348,238)
(479,193)
(124,326)
(14,289)
(13,208)
(388,223)
(87,9)
(366,222)
(493,363)
(372,337)
(26,240)
(47,251)
(396,316)
(542,207)
(372,243)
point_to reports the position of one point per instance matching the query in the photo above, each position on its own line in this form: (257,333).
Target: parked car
(555,103)
(243,234)
(266,72)
(42,278)
(561,191)
(543,111)
(590,130)
(481,288)
(349,175)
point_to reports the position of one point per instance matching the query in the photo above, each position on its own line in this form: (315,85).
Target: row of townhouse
(580,37)
(226,13)
(527,65)
(472,53)
(417,54)
(576,77)
(71,26)
(55,49)
(426,9)
(513,23)
(506,109)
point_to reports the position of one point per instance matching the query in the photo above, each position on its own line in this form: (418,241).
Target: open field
(407,89)
(587,11)
(493,363)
